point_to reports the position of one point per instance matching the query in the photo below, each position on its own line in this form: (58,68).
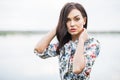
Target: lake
(18,62)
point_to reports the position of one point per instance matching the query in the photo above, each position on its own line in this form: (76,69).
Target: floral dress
(91,51)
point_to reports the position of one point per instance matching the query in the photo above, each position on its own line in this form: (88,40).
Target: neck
(74,38)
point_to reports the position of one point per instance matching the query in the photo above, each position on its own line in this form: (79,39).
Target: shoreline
(2,33)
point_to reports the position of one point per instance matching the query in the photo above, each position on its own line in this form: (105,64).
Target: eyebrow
(76,16)
(73,17)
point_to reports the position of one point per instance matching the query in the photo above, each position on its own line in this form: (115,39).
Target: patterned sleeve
(50,51)
(91,52)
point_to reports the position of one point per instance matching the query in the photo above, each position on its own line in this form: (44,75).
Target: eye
(68,19)
(76,18)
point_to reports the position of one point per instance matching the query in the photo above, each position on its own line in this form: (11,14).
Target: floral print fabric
(91,51)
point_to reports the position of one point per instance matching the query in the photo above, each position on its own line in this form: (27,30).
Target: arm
(45,41)
(91,53)
(79,58)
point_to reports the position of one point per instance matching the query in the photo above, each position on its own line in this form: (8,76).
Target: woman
(75,49)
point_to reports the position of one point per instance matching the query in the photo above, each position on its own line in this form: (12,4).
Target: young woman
(75,49)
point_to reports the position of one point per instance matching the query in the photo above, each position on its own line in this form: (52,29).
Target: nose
(72,24)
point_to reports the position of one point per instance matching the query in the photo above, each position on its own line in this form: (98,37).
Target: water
(18,62)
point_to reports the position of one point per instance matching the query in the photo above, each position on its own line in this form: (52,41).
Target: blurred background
(24,22)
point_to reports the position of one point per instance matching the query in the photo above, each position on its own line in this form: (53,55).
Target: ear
(84,20)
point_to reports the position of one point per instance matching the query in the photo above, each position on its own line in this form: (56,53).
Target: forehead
(73,13)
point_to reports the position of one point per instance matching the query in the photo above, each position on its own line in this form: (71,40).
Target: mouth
(73,30)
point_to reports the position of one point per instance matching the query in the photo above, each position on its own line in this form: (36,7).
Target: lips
(73,30)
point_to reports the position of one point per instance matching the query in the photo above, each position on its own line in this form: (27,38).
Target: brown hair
(62,34)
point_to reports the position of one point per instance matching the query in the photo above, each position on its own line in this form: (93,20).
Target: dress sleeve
(50,51)
(91,52)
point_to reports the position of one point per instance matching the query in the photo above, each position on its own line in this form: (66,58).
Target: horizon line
(14,32)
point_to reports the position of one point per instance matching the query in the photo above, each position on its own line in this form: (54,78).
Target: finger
(82,29)
(85,30)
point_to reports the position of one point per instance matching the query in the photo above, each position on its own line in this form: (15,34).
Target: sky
(37,15)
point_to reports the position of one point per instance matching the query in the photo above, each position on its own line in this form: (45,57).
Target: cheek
(80,24)
(80,27)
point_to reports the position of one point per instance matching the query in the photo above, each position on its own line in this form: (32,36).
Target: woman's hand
(45,41)
(79,58)
(83,35)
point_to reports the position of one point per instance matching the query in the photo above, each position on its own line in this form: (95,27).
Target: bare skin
(79,59)
(45,41)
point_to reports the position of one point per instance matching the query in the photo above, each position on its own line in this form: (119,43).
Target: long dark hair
(61,32)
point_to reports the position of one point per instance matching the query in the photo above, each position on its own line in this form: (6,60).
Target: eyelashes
(77,19)
(74,19)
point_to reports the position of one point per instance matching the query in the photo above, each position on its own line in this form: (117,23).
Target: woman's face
(75,22)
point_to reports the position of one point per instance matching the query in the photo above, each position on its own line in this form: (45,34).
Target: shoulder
(92,40)
(93,45)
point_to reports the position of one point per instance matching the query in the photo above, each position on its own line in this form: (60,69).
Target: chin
(74,33)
